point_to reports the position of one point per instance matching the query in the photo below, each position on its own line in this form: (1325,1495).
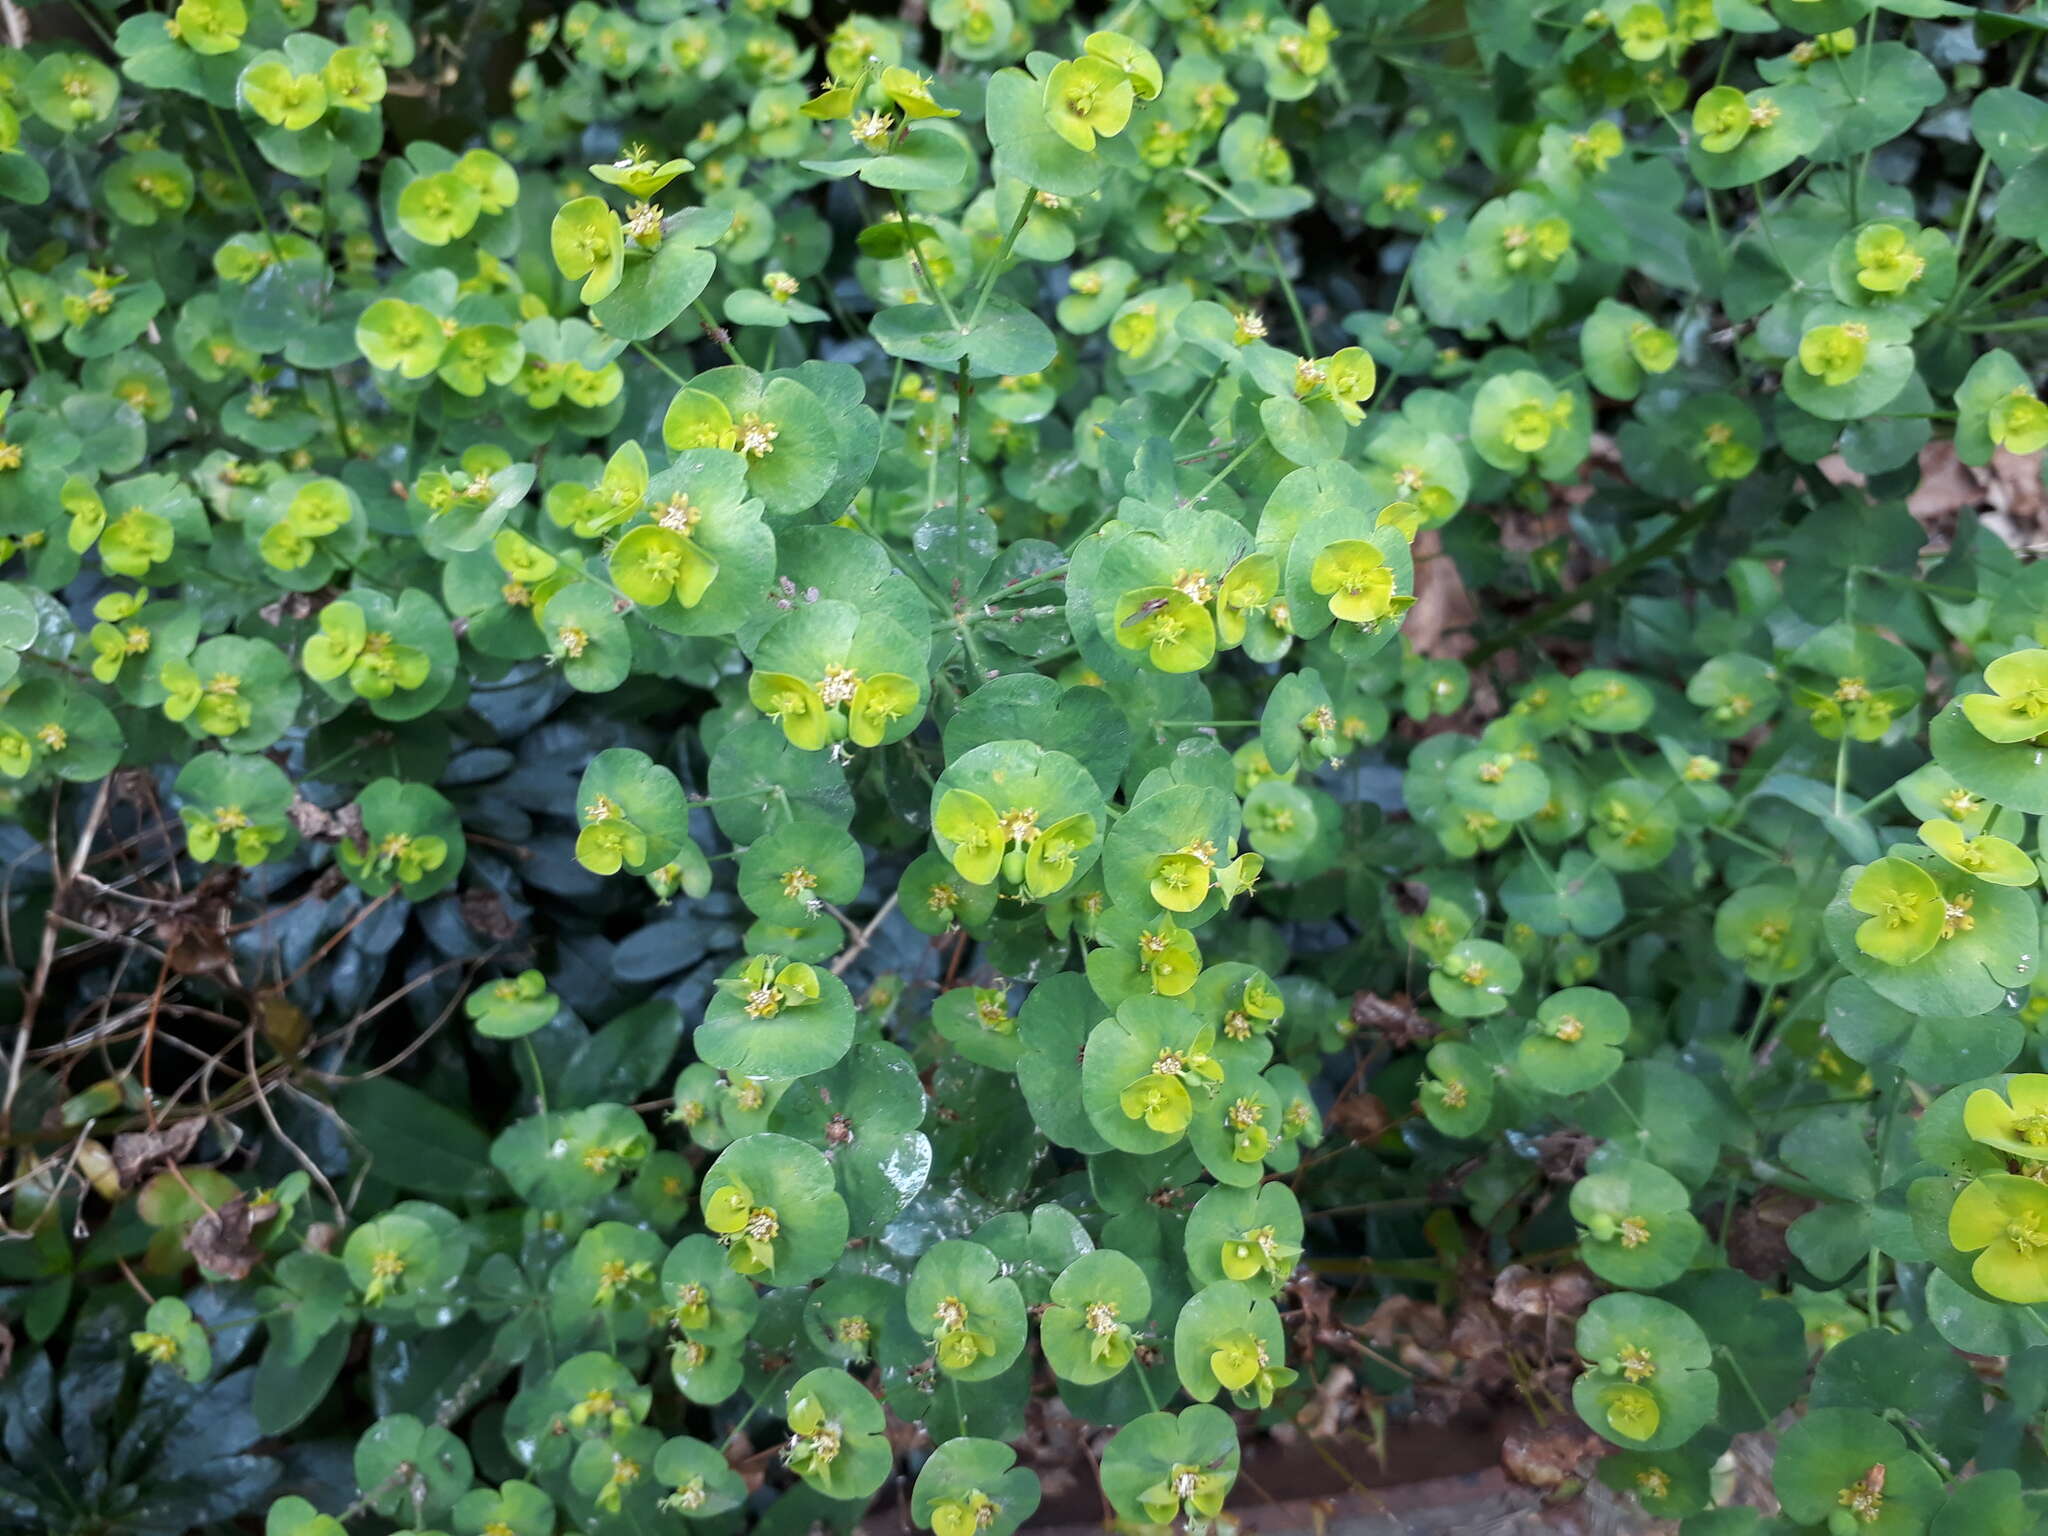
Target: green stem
(962,444)
(1983,169)
(341,427)
(98,29)
(1194,405)
(1542,864)
(1784,192)
(1682,528)
(1145,1381)
(1308,345)
(1920,1443)
(913,571)
(35,351)
(2036,323)
(1754,1036)
(1217,478)
(925,280)
(977,670)
(1634,1119)
(1990,251)
(1841,771)
(718,333)
(220,129)
(1742,840)
(1385,392)
(1763,222)
(995,269)
(1032,583)
(1742,1376)
(540,1087)
(674,377)
(242,175)
(2006,279)
(753,1408)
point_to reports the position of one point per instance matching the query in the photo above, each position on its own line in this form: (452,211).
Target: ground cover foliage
(755,758)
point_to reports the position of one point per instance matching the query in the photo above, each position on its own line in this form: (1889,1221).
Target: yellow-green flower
(1248,587)
(2019,423)
(1161,1100)
(963,1517)
(2015,1122)
(2006,1217)
(406,338)
(1720,119)
(1835,354)
(440,209)
(638,174)
(1249,1139)
(1135,60)
(210,26)
(353,79)
(1174,630)
(1085,97)
(1180,880)
(1996,859)
(1644,32)
(1632,1411)
(653,564)
(1051,859)
(589,242)
(912,94)
(2016,708)
(958,1343)
(795,705)
(1654,349)
(1905,907)
(1354,575)
(1258,1252)
(880,701)
(968,822)
(1886,261)
(135,541)
(1202,1492)
(607,842)
(281,97)
(490,177)
(749,1232)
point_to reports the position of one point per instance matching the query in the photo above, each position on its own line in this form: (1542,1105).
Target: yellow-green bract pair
(1094,94)
(841,706)
(2003,1217)
(983,844)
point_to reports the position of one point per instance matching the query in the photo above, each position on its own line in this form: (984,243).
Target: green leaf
(1006,339)
(416,1143)
(653,293)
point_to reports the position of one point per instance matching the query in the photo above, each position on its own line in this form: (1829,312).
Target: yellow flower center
(1864,1498)
(838,685)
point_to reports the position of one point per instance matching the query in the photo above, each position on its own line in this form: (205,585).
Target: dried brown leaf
(1552,1458)
(1394,1019)
(228,1241)
(136,1152)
